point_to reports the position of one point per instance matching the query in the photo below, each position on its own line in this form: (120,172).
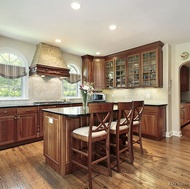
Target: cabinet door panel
(26,127)
(52,138)
(148,124)
(7,130)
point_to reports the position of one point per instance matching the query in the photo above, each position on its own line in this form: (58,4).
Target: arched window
(71,89)
(13,66)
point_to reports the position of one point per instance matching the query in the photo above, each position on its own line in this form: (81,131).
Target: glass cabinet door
(120,72)
(149,65)
(109,67)
(133,70)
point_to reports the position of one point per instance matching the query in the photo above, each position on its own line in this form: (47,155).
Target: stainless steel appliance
(98,97)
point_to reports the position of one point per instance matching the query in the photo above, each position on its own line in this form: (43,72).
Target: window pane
(71,90)
(10,87)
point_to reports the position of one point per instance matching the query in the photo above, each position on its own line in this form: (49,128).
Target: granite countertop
(79,111)
(15,105)
(9,105)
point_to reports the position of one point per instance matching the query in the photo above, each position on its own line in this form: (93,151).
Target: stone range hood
(48,61)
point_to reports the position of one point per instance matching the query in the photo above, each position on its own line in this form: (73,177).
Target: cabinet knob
(5,111)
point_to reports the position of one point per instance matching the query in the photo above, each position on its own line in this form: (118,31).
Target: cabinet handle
(15,117)
(18,117)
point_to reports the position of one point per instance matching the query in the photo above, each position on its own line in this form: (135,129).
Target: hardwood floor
(164,164)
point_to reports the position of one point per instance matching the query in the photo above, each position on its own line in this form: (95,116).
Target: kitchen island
(60,122)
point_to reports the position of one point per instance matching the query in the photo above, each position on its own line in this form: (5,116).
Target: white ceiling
(86,31)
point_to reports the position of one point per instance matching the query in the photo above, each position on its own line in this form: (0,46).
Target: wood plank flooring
(164,164)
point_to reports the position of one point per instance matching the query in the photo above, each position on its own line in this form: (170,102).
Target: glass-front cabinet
(115,70)
(109,67)
(133,70)
(149,68)
(120,72)
(145,68)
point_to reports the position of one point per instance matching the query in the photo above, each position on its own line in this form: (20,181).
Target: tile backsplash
(44,89)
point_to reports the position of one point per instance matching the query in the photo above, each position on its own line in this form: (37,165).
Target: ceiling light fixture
(58,40)
(97,53)
(75,6)
(112,27)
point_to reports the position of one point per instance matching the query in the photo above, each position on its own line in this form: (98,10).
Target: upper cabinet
(99,73)
(133,70)
(145,66)
(149,69)
(115,72)
(138,67)
(87,69)
(93,70)
(184,79)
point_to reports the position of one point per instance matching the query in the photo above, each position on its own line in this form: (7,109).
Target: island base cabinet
(52,140)
(154,122)
(57,140)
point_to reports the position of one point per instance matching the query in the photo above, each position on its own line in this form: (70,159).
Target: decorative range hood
(48,61)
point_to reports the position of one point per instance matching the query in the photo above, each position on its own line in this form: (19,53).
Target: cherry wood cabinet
(7,126)
(115,72)
(184,113)
(184,79)
(52,136)
(138,67)
(93,70)
(133,70)
(40,119)
(154,122)
(99,73)
(87,68)
(26,123)
(145,66)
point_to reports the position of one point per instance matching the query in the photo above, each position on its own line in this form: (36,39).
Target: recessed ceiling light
(75,6)
(98,53)
(58,40)
(112,27)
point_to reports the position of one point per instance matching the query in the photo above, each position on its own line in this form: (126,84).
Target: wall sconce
(184,55)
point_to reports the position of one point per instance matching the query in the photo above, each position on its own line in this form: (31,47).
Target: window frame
(24,80)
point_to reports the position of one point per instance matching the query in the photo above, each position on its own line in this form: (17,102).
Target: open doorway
(185,99)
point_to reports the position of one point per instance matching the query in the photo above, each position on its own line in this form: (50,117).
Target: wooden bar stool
(98,130)
(138,110)
(121,132)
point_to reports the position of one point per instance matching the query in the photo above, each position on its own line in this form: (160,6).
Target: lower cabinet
(26,123)
(7,126)
(184,113)
(154,122)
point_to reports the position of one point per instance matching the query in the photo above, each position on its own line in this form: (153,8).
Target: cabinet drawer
(150,109)
(7,111)
(27,110)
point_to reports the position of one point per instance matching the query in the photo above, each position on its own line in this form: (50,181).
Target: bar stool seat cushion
(136,122)
(114,124)
(84,132)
